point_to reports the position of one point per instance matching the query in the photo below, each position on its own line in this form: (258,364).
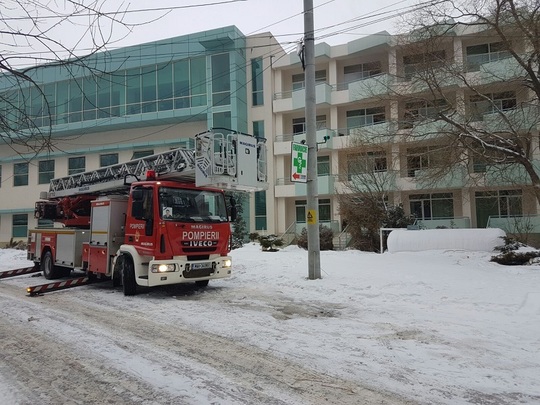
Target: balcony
(493,71)
(429,129)
(375,181)
(366,88)
(506,175)
(522,119)
(296,99)
(438,223)
(526,224)
(325,185)
(455,177)
(374,86)
(286,188)
(373,134)
(282,145)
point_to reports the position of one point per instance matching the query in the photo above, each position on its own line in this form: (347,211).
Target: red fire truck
(158,220)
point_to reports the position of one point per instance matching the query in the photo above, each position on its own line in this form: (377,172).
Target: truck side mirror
(234,210)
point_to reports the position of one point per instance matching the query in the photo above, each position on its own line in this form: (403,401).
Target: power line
(92,12)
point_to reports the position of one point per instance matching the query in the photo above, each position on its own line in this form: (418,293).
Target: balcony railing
(517,224)
(441,223)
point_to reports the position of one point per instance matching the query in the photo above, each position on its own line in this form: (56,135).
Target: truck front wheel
(129,285)
(50,271)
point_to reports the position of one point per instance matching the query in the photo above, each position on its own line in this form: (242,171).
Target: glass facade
(140,90)
(260,196)
(257,81)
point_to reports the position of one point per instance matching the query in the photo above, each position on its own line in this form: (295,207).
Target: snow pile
(483,240)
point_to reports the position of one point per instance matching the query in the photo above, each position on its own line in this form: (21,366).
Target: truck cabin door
(140,230)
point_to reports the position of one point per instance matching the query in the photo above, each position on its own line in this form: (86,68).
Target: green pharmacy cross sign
(299,156)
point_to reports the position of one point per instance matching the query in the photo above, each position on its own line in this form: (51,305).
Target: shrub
(253,236)
(510,244)
(513,258)
(270,243)
(326,238)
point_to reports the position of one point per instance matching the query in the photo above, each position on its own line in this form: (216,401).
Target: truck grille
(197,273)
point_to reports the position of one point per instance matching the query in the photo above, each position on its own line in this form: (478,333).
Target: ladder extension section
(230,161)
(177,164)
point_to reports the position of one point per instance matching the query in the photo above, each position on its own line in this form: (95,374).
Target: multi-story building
(367,95)
(162,93)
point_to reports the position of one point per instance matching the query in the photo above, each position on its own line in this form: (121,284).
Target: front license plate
(200,266)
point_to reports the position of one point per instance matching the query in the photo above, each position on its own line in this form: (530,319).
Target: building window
(323,165)
(221,80)
(413,64)
(416,111)
(46,171)
(222,120)
(491,103)
(502,203)
(260,211)
(485,53)
(108,159)
(298,79)
(19,226)
(258,129)
(20,174)
(76,165)
(324,210)
(425,157)
(325,214)
(432,206)
(361,71)
(366,163)
(149,89)
(142,153)
(299,124)
(364,117)
(257,81)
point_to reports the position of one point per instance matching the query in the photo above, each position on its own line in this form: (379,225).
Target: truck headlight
(227,263)
(162,268)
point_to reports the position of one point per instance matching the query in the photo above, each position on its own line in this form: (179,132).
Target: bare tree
(37,33)
(369,180)
(464,113)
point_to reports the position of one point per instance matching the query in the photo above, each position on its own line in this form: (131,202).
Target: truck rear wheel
(50,271)
(129,285)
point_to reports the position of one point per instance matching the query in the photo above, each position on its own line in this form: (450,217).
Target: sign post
(299,162)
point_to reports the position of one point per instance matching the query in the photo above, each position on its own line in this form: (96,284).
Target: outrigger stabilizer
(18,272)
(49,287)
(60,285)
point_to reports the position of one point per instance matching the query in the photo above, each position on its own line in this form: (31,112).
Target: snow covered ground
(435,327)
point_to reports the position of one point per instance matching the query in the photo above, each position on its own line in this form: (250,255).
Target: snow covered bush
(326,238)
(270,243)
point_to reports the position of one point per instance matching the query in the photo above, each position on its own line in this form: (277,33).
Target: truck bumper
(185,272)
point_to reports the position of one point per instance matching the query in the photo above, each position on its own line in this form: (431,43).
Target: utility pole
(314,247)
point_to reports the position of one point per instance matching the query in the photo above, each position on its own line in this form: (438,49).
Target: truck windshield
(186,205)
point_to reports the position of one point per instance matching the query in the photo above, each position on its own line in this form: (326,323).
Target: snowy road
(58,348)
(436,327)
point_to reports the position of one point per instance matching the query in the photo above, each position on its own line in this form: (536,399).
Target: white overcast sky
(336,22)
(283,18)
